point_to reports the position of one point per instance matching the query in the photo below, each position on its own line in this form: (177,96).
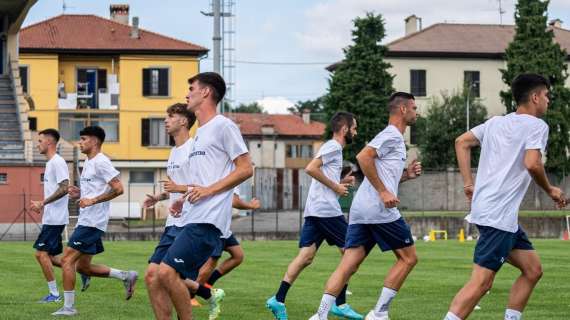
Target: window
(24,76)
(3,178)
(141,176)
(413,134)
(155,82)
(42,177)
(418,83)
(154,133)
(472,80)
(71,123)
(299,151)
(33,123)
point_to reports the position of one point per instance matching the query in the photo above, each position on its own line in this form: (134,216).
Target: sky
(306,35)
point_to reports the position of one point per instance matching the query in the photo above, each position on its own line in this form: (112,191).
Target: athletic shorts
(494,246)
(87,240)
(49,239)
(317,229)
(192,248)
(231,241)
(388,236)
(166,240)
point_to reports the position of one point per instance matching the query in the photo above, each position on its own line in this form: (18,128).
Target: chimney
(135,34)
(412,24)
(557,23)
(119,13)
(306,116)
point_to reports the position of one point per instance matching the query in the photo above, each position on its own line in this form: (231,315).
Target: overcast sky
(292,31)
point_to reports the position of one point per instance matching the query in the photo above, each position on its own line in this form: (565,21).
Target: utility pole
(217,39)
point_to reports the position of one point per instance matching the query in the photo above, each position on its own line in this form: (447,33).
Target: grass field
(442,270)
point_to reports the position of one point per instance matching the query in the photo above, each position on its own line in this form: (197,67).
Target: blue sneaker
(85,282)
(277,308)
(345,311)
(50,298)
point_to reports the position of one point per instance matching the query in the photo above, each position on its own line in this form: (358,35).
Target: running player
(512,148)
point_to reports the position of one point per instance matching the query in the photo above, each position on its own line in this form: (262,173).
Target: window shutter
(163,82)
(145,132)
(81,75)
(102,78)
(146,82)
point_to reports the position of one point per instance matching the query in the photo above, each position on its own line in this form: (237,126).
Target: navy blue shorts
(494,246)
(87,240)
(316,230)
(166,240)
(388,236)
(192,248)
(231,241)
(49,239)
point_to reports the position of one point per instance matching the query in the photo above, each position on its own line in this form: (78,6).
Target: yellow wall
(47,70)
(42,81)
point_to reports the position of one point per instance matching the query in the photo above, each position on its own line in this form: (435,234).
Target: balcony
(93,90)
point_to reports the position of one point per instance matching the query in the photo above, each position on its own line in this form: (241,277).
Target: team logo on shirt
(197,153)
(86,179)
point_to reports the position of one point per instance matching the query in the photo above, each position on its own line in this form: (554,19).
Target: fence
(433,201)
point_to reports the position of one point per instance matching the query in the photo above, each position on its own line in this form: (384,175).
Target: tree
(361,84)
(534,50)
(252,107)
(444,122)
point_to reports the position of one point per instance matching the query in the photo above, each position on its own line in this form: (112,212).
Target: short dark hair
(93,131)
(397,98)
(214,81)
(340,119)
(525,84)
(50,132)
(182,109)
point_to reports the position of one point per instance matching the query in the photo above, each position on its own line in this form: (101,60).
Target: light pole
(471,86)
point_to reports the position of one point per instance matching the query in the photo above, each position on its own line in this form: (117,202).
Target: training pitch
(444,266)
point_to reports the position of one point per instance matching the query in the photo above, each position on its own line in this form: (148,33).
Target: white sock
(327,302)
(451,316)
(118,274)
(69,299)
(511,314)
(386,297)
(52,286)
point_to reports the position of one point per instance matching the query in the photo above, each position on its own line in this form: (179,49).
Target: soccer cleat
(50,298)
(277,308)
(85,282)
(195,303)
(129,283)
(346,311)
(371,316)
(214,303)
(65,312)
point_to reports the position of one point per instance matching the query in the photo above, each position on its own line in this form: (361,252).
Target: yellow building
(80,70)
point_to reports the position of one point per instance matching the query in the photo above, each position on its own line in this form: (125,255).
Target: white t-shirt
(96,175)
(229,232)
(216,144)
(367,206)
(55,213)
(179,171)
(322,201)
(502,178)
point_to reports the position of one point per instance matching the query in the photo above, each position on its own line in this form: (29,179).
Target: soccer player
(324,219)
(56,215)
(219,161)
(374,217)
(209,274)
(512,147)
(178,121)
(99,183)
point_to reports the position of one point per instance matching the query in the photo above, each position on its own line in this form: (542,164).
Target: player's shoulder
(390,133)
(331,145)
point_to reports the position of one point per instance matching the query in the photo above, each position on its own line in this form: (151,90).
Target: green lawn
(442,270)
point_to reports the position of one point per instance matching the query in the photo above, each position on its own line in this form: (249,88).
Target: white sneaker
(315,317)
(371,316)
(65,312)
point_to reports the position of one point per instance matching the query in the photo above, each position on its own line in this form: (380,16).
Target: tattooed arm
(58,194)
(116,190)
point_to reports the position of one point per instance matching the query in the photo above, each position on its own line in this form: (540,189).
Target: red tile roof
(90,33)
(284,124)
